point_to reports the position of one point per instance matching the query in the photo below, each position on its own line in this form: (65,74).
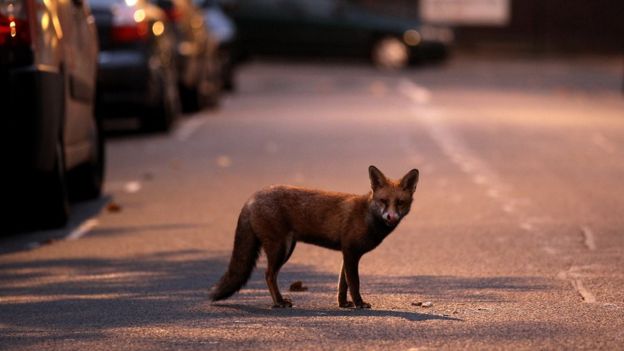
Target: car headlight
(412,37)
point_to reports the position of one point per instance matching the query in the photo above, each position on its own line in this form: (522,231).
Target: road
(515,235)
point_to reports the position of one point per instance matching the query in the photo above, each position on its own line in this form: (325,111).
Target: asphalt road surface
(515,236)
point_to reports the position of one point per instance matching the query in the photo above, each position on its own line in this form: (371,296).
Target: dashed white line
(574,275)
(489,180)
(589,238)
(585,294)
(83,229)
(458,153)
(187,129)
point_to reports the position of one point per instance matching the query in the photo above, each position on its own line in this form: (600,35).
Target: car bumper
(32,100)
(429,50)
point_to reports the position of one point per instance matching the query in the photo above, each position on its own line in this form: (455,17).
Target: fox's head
(391,199)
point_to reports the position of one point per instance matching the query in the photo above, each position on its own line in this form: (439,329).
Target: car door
(326,26)
(80,48)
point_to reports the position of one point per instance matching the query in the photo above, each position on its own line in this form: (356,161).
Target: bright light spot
(13,30)
(412,37)
(158,28)
(132,187)
(131,2)
(45,21)
(139,15)
(224,161)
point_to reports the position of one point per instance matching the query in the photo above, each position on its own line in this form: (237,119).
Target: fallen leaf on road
(113,207)
(419,303)
(298,286)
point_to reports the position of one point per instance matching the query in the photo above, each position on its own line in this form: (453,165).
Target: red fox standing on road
(277,217)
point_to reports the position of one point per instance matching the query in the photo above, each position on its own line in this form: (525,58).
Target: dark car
(137,71)
(51,142)
(334,27)
(196,55)
(223,29)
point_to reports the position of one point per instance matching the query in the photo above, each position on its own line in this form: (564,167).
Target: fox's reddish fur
(275,218)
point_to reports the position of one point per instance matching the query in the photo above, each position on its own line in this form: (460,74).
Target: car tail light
(14,24)
(129,24)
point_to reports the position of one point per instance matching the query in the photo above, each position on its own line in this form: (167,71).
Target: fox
(276,218)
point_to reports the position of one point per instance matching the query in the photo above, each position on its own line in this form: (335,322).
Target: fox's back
(314,216)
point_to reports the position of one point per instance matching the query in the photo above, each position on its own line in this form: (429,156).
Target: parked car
(222,28)
(334,27)
(51,142)
(137,67)
(196,55)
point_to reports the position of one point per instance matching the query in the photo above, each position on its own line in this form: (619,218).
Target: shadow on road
(85,298)
(22,239)
(349,312)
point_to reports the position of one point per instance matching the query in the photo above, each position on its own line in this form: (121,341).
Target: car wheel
(205,94)
(390,53)
(53,205)
(87,179)
(161,115)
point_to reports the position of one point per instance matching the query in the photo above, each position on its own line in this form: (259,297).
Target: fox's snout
(390,217)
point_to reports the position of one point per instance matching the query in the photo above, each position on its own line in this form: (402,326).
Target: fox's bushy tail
(244,256)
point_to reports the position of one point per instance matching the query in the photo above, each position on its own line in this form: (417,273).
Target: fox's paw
(363,305)
(285,303)
(346,304)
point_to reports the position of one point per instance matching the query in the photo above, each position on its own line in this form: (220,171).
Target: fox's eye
(384,202)
(400,203)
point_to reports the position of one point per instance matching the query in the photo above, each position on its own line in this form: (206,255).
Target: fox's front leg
(342,290)
(350,266)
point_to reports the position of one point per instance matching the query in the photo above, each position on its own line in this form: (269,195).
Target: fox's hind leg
(277,255)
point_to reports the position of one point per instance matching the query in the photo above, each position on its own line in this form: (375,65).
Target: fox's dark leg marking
(290,239)
(350,265)
(276,257)
(342,290)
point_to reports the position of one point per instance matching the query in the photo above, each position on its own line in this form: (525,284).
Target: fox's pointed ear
(377,178)
(409,181)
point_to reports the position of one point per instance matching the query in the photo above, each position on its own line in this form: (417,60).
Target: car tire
(390,53)
(53,205)
(162,114)
(202,95)
(86,180)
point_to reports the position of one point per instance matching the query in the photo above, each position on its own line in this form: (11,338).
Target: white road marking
(589,238)
(585,294)
(83,229)
(414,92)
(482,175)
(574,275)
(188,128)
(466,160)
